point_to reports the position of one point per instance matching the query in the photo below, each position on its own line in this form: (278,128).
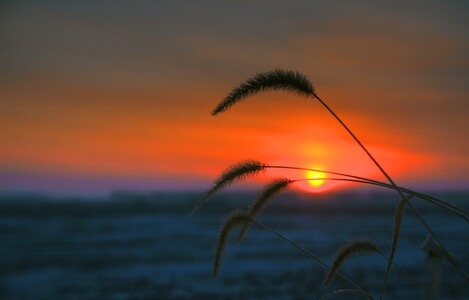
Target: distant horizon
(64,187)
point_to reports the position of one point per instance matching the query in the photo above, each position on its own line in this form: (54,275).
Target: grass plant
(299,84)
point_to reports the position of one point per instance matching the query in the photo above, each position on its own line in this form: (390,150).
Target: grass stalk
(298,84)
(443,204)
(344,252)
(310,254)
(237,218)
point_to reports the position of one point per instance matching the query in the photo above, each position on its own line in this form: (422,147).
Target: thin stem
(440,244)
(417,214)
(356,140)
(391,254)
(400,270)
(301,248)
(452,208)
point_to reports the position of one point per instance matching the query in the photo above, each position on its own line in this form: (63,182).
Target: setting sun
(316,178)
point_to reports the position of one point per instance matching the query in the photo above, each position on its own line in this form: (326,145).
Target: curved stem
(304,250)
(356,140)
(400,270)
(452,208)
(417,214)
(392,252)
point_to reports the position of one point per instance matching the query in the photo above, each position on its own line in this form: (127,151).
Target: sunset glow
(128,100)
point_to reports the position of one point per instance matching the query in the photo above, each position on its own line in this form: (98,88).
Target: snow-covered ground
(134,246)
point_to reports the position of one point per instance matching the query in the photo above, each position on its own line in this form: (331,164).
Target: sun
(317,182)
(317,178)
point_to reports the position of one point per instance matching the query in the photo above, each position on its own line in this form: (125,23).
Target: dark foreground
(147,247)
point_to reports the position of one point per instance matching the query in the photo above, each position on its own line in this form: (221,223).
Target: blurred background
(117,95)
(134,246)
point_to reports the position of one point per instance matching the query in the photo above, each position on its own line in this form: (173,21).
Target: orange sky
(102,96)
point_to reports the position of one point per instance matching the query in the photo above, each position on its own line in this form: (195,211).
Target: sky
(116,95)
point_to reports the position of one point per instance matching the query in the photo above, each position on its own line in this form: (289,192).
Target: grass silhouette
(356,246)
(299,84)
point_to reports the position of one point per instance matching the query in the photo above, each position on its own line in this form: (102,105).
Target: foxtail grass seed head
(276,186)
(278,79)
(236,218)
(344,252)
(263,200)
(236,172)
(398,216)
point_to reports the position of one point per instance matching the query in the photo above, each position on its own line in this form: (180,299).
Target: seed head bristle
(232,220)
(355,246)
(278,79)
(263,200)
(236,172)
